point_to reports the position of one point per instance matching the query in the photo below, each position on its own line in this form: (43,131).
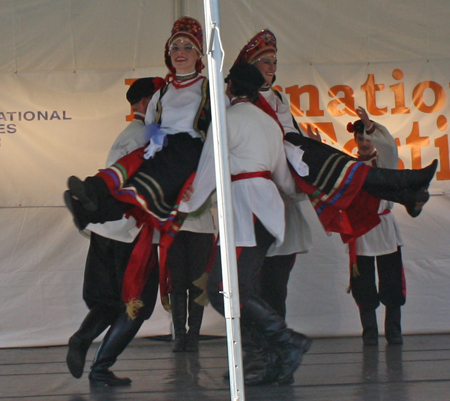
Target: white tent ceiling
(125,35)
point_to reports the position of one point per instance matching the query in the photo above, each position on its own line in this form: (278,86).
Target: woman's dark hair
(246,80)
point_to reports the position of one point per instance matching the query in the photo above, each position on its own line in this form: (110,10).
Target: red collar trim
(237,100)
(184,84)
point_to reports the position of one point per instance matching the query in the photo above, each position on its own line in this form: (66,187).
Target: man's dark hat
(144,87)
(246,75)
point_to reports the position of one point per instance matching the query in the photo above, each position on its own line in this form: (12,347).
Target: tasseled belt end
(166,303)
(133,308)
(202,281)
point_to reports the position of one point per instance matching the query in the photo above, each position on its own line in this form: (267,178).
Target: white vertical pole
(178,9)
(224,201)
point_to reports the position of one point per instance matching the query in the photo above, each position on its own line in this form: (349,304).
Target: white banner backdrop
(57,124)
(53,125)
(43,255)
(41,280)
(410,99)
(64,68)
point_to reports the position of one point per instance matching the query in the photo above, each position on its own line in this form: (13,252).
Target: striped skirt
(153,185)
(334,186)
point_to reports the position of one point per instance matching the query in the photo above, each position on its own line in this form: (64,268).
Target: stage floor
(335,369)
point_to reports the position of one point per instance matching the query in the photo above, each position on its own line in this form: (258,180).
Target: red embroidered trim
(184,84)
(365,158)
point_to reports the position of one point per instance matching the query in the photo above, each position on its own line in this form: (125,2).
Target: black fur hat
(143,87)
(246,75)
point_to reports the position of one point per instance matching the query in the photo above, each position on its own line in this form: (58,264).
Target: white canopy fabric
(64,69)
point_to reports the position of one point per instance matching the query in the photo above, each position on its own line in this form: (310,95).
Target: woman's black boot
(394,180)
(407,187)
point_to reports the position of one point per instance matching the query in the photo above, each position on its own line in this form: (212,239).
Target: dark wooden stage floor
(334,369)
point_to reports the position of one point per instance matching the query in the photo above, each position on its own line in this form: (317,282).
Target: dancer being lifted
(344,191)
(146,183)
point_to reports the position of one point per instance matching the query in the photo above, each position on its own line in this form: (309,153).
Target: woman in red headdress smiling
(345,185)
(177,121)
(147,183)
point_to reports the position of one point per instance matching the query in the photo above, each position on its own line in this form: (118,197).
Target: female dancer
(344,192)
(146,183)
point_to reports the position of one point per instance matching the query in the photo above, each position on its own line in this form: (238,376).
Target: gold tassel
(133,308)
(201,281)
(355,273)
(166,303)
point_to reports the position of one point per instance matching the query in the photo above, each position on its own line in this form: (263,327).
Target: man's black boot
(195,319)
(178,306)
(116,340)
(95,322)
(288,346)
(370,326)
(392,326)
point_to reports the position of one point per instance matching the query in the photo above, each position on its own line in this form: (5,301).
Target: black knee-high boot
(392,179)
(370,326)
(407,187)
(195,318)
(288,345)
(88,192)
(392,326)
(111,209)
(178,305)
(116,340)
(95,322)
(253,345)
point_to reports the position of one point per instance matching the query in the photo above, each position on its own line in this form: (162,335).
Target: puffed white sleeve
(205,178)
(282,177)
(150,114)
(386,146)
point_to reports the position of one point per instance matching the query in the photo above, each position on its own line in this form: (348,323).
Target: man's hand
(362,114)
(187,194)
(314,135)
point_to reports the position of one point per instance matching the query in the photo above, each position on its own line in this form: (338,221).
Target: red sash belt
(243,176)
(384,212)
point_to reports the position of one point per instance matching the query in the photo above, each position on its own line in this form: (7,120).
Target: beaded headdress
(191,29)
(263,42)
